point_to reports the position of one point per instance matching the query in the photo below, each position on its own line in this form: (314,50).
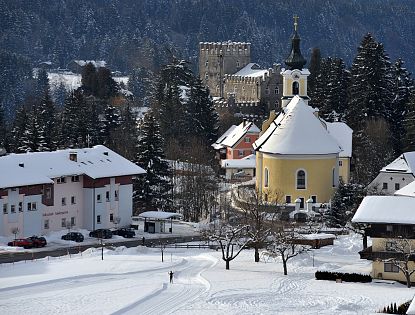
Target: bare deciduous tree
(284,244)
(231,239)
(404,249)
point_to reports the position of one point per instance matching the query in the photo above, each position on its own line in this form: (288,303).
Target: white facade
(84,188)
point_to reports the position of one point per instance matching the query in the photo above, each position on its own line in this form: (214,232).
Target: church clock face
(295,75)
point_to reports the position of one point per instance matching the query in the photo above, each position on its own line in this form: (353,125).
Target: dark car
(21,242)
(101,233)
(127,233)
(38,241)
(73,236)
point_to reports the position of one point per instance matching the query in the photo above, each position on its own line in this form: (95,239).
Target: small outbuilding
(155,221)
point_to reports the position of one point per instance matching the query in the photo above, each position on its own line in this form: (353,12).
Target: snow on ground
(135,281)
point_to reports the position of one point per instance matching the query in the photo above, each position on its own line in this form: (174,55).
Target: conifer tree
(403,88)
(315,63)
(60,95)
(409,125)
(49,128)
(128,132)
(73,118)
(109,125)
(2,127)
(152,189)
(18,131)
(34,136)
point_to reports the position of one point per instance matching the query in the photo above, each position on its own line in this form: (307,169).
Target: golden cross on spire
(296,22)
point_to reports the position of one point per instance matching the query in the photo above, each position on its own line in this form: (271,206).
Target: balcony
(382,255)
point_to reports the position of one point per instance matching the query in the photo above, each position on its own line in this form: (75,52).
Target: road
(11,257)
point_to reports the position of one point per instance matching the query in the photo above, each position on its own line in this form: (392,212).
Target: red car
(21,242)
(38,241)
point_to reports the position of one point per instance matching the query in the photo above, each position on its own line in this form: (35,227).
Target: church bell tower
(295,77)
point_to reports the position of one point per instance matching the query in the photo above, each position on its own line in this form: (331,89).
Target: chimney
(244,122)
(73,156)
(21,164)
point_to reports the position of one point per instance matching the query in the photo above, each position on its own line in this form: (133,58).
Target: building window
(333,177)
(276,91)
(99,198)
(206,76)
(63,201)
(389,267)
(31,206)
(206,63)
(389,228)
(63,222)
(12,209)
(20,206)
(73,200)
(73,222)
(267,91)
(389,246)
(296,88)
(247,140)
(340,163)
(237,63)
(314,198)
(116,195)
(61,180)
(287,199)
(241,153)
(48,192)
(266,177)
(5,211)
(98,219)
(75,178)
(397,186)
(385,186)
(300,179)
(301,202)
(111,217)
(107,195)
(341,178)
(46,224)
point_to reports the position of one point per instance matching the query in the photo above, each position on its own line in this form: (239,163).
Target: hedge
(346,277)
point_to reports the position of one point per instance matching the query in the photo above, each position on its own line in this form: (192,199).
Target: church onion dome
(297,132)
(295,60)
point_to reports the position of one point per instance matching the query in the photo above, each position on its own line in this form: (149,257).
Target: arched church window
(266,177)
(276,91)
(296,88)
(300,179)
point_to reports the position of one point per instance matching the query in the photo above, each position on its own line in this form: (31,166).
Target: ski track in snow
(188,285)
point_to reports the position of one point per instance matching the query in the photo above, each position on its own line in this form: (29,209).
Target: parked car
(124,232)
(38,241)
(101,233)
(73,236)
(21,242)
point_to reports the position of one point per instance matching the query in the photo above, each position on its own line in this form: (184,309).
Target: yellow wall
(282,178)
(344,170)
(379,273)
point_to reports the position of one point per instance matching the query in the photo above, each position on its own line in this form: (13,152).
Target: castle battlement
(225,48)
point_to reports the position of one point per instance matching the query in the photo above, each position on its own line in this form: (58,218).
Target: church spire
(295,60)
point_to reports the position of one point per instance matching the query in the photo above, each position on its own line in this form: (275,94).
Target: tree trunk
(256,255)
(364,241)
(408,280)
(284,264)
(227,264)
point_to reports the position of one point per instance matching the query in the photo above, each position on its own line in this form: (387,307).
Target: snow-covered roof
(40,167)
(405,163)
(246,162)
(160,215)
(343,134)
(318,236)
(411,308)
(96,63)
(251,70)
(408,190)
(297,131)
(386,209)
(234,134)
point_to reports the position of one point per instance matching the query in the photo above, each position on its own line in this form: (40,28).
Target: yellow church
(300,158)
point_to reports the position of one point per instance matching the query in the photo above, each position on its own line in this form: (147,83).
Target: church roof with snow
(405,163)
(343,134)
(234,134)
(40,167)
(298,132)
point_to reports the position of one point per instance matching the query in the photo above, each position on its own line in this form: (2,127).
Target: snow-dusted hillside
(135,281)
(72,81)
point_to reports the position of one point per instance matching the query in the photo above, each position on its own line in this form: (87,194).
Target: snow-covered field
(135,281)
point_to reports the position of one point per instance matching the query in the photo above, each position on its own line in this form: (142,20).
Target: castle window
(266,177)
(300,179)
(276,91)
(206,63)
(296,88)
(237,63)
(206,76)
